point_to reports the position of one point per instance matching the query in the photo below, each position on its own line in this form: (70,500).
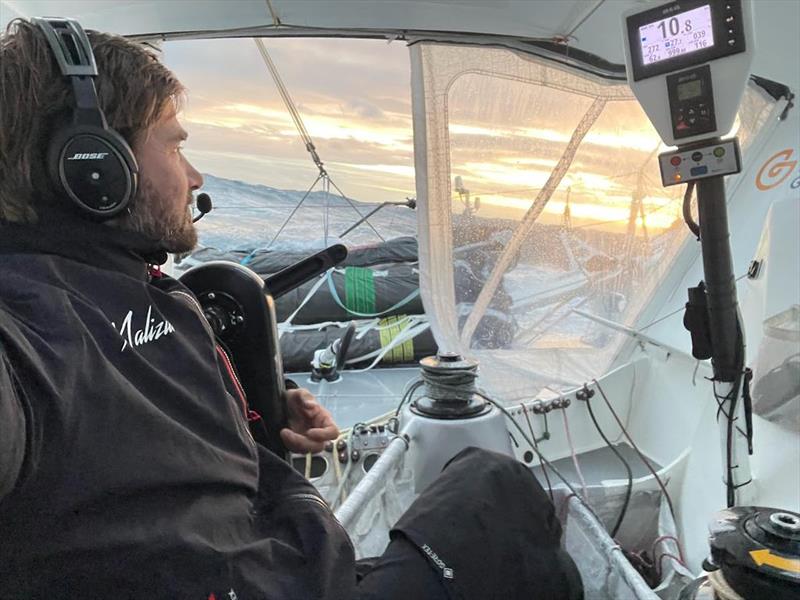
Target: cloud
(365,109)
(354,98)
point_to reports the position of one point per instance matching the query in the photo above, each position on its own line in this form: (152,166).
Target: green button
(719,152)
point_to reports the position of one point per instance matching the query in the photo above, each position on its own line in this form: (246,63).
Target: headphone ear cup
(95,168)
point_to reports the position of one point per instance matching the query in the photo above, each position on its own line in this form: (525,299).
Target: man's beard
(157,219)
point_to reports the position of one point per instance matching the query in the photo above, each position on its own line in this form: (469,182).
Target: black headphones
(90,162)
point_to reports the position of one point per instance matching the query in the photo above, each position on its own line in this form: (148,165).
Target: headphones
(87,160)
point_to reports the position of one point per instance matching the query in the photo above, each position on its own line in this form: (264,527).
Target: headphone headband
(70,45)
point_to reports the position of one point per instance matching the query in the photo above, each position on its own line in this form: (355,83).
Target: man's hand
(310,425)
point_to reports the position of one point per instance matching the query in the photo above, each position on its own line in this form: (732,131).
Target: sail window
(542,212)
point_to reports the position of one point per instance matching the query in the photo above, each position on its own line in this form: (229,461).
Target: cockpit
(459,224)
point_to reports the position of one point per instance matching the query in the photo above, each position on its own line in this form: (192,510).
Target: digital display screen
(690,89)
(682,33)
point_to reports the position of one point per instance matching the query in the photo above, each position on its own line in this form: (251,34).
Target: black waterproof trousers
(484,529)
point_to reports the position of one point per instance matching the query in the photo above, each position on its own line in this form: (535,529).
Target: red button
(675,161)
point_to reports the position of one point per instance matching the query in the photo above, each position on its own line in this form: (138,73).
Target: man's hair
(134,89)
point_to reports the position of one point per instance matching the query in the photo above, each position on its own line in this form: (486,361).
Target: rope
(572,452)
(339,496)
(309,295)
(639,453)
(451,384)
(535,448)
(541,462)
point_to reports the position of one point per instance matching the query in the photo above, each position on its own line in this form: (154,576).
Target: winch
(447,414)
(449,383)
(755,553)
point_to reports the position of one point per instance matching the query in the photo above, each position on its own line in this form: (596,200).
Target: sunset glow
(361,125)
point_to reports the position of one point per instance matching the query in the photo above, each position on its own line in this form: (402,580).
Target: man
(127,469)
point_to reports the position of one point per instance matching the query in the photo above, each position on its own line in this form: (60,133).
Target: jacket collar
(86,242)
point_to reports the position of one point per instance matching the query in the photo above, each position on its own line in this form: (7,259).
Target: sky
(354,99)
(353,96)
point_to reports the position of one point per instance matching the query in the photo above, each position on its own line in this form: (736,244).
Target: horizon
(354,99)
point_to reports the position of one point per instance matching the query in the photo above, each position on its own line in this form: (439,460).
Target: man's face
(162,207)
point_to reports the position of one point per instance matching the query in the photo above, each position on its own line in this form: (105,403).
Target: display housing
(681,34)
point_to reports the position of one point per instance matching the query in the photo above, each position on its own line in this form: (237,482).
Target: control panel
(691,102)
(688,62)
(690,164)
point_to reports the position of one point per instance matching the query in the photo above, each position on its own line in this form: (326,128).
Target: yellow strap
(390,329)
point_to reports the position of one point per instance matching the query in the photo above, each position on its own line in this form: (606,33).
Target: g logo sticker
(776,170)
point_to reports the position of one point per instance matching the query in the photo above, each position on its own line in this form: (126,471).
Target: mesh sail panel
(540,203)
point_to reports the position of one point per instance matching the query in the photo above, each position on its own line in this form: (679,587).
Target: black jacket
(127,463)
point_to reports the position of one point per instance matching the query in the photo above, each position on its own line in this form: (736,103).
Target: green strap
(338,300)
(359,290)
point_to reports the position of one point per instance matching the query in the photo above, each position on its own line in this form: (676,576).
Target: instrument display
(678,34)
(683,33)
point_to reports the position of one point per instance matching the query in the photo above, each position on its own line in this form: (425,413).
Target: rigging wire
(679,559)
(296,208)
(676,311)
(535,447)
(730,416)
(568,35)
(297,119)
(350,202)
(660,563)
(586,396)
(290,105)
(638,452)
(409,393)
(326,216)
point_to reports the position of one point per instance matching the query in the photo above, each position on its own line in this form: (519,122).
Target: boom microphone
(203,205)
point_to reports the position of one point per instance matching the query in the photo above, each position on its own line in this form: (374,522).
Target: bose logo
(88,156)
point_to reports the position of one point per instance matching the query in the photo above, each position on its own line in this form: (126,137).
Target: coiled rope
(450,385)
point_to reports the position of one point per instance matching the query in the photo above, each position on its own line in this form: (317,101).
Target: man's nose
(194,177)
